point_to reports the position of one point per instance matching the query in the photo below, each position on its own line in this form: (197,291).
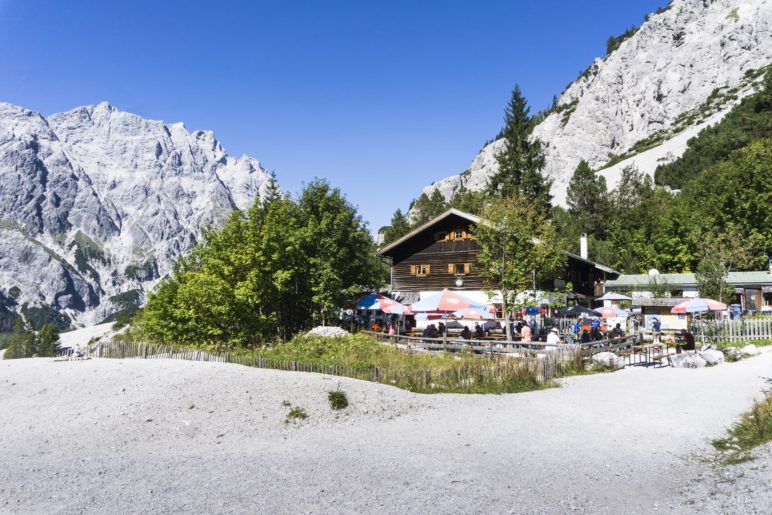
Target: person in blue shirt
(595,323)
(577,327)
(656,329)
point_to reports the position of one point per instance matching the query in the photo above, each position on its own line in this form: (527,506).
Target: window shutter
(467,268)
(463,235)
(427,269)
(412,270)
(451,268)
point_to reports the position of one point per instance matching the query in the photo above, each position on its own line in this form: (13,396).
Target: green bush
(338,399)
(296,413)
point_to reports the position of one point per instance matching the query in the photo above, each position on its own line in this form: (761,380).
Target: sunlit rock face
(683,70)
(97,204)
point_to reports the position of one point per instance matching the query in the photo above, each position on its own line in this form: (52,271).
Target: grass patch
(338,399)
(296,413)
(753,429)
(741,344)
(361,357)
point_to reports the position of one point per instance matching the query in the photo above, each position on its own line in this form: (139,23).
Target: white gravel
(174,436)
(79,338)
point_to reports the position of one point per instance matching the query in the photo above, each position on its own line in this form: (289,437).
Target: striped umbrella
(473,314)
(445,300)
(698,305)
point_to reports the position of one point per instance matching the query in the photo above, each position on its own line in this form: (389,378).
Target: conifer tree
(21,343)
(398,227)
(522,160)
(48,341)
(588,200)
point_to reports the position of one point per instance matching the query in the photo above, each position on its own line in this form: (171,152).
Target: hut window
(419,270)
(460,234)
(459,268)
(440,236)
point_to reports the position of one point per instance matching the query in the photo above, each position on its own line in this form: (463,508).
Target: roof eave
(452,211)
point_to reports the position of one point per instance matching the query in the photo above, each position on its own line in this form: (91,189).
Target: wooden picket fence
(544,366)
(734,330)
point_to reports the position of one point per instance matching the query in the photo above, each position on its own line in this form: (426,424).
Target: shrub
(338,399)
(297,413)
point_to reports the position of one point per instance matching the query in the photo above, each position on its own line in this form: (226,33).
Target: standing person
(553,337)
(525,332)
(656,329)
(392,329)
(577,329)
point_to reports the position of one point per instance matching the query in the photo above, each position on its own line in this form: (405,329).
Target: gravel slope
(173,436)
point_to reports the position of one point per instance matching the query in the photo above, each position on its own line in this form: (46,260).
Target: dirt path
(173,436)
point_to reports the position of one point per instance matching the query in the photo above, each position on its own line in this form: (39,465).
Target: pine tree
(429,207)
(588,201)
(522,160)
(398,227)
(21,343)
(48,341)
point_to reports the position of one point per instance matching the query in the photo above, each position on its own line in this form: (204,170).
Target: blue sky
(379,97)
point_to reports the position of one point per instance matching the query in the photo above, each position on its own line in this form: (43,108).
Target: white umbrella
(614,296)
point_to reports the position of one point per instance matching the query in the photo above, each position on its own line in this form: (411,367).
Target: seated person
(595,334)
(617,331)
(466,334)
(688,339)
(586,336)
(553,337)
(525,332)
(427,332)
(376,326)
(433,332)
(478,331)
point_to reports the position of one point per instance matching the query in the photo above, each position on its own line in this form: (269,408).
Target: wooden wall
(438,256)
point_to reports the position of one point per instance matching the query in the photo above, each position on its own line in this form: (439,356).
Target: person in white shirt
(553,337)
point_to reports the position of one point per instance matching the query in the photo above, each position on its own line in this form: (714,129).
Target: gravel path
(175,436)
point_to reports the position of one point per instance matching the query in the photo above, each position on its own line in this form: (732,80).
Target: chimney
(583,246)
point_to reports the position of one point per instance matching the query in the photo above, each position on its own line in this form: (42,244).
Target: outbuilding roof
(633,282)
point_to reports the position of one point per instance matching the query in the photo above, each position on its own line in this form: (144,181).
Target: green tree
(428,207)
(21,342)
(267,274)
(48,341)
(518,248)
(522,160)
(398,227)
(337,248)
(721,254)
(588,200)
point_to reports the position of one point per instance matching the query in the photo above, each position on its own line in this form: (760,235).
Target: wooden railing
(733,330)
(504,347)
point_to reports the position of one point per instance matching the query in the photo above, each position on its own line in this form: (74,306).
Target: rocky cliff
(96,205)
(682,70)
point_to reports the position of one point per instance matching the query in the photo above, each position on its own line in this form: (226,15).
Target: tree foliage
(588,201)
(749,121)
(24,343)
(522,160)
(518,248)
(721,253)
(281,267)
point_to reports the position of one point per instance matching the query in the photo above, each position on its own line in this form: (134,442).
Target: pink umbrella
(606,312)
(446,300)
(698,305)
(473,314)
